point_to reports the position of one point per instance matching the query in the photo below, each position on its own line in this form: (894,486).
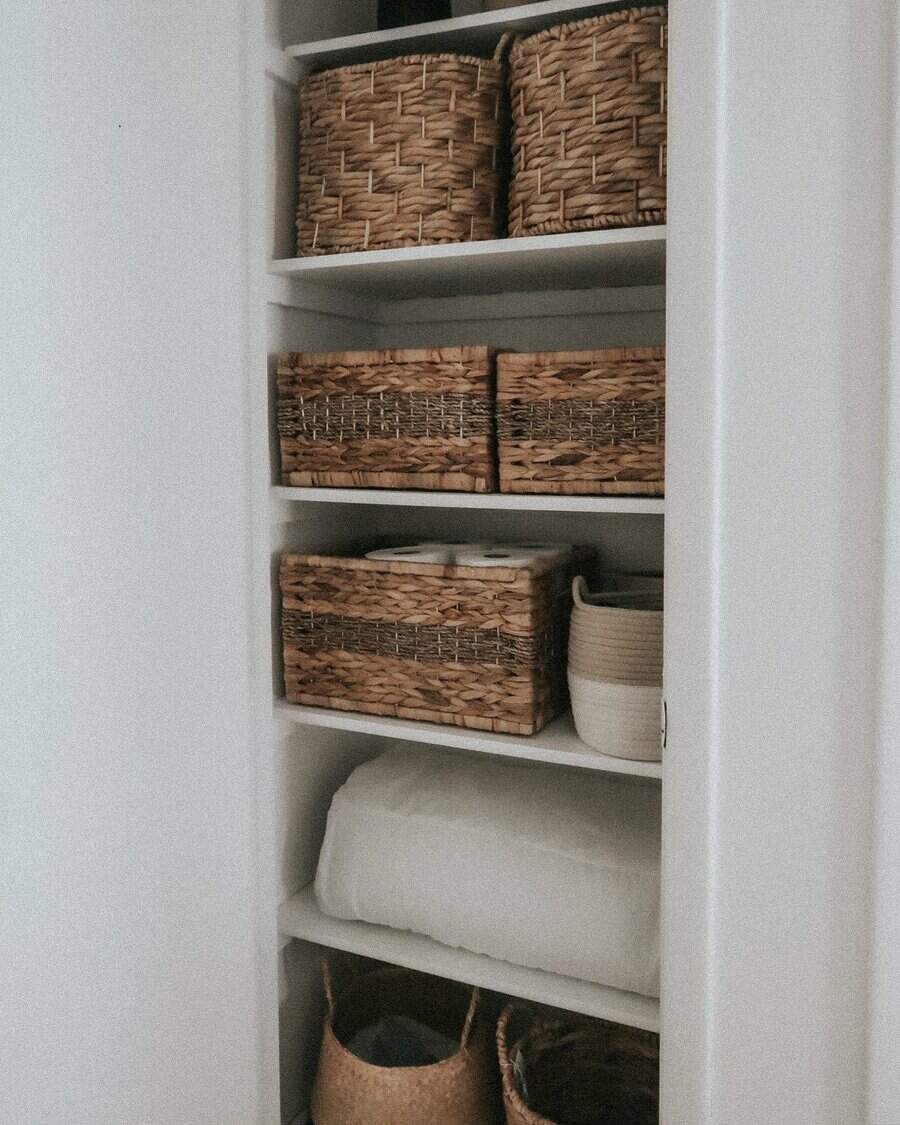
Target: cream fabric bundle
(553,869)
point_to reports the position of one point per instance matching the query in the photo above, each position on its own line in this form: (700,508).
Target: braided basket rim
(561,30)
(385,64)
(362,357)
(582,355)
(499,575)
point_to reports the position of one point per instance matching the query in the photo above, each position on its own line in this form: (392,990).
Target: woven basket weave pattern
(582,422)
(402,152)
(414,418)
(482,648)
(589,124)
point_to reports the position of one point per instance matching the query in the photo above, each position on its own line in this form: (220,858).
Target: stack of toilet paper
(451,553)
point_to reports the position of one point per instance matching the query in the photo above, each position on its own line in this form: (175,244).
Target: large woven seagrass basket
(403,152)
(589,124)
(577,1071)
(420,418)
(476,647)
(590,422)
(460,1090)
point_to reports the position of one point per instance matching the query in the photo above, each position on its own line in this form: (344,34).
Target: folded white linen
(544,867)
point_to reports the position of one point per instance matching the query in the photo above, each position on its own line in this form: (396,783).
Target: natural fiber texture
(413,418)
(618,643)
(402,152)
(582,422)
(578,1071)
(589,124)
(477,647)
(616,670)
(458,1091)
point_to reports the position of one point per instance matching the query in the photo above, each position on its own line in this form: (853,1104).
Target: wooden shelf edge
(475,34)
(490,501)
(301,918)
(558,744)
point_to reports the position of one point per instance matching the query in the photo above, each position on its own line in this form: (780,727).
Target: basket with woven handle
(460,1090)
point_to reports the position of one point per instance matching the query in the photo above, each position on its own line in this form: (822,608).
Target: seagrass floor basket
(588,422)
(476,647)
(576,1071)
(403,152)
(459,1090)
(413,418)
(589,118)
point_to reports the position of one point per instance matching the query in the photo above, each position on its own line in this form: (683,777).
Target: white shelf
(471,35)
(300,917)
(557,743)
(581,260)
(483,501)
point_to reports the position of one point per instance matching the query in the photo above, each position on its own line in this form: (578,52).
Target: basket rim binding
(454,353)
(535,568)
(583,355)
(334,998)
(499,59)
(559,31)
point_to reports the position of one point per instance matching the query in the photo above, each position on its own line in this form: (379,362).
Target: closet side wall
(127,986)
(790,237)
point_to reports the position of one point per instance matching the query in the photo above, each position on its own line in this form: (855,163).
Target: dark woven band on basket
(355,417)
(435,643)
(591,422)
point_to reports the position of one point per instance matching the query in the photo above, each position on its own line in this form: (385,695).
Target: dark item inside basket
(577,1071)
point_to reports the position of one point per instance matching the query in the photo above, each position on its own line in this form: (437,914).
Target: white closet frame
(781,141)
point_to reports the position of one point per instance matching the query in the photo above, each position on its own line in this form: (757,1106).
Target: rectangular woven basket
(476,647)
(414,418)
(403,152)
(588,422)
(589,124)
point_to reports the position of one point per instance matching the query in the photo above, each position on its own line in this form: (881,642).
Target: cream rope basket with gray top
(615,670)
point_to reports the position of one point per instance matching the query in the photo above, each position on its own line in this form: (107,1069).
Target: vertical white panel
(790,227)
(884,1027)
(691,563)
(127,972)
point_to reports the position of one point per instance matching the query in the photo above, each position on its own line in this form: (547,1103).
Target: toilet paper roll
(533,547)
(493,556)
(456,544)
(453,547)
(413,554)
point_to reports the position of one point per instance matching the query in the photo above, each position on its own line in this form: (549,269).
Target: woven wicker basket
(588,423)
(589,124)
(389,419)
(460,1090)
(476,647)
(403,152)
(578,1071)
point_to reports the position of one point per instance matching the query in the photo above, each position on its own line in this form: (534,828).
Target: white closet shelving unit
(591,289)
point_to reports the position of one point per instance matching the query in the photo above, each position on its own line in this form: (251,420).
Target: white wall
(127,971)
(884,1026)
